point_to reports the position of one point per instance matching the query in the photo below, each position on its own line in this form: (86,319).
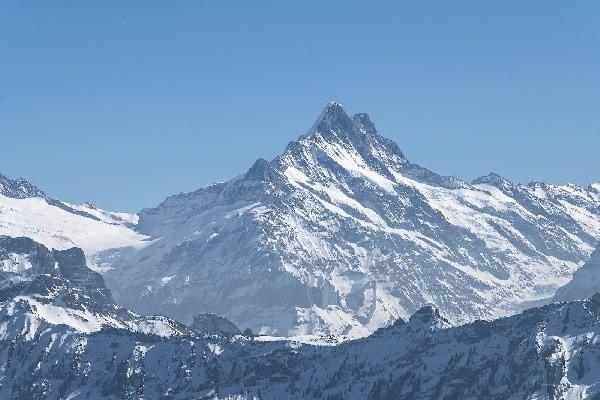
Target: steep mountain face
(342,235)
(585,282)
(544,353)
(27,211)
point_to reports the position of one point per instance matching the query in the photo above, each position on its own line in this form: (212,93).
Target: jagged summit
(335,122)
(333,107)
(337,137)
(18,188)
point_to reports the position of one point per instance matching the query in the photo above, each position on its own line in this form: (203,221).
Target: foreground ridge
(548,352)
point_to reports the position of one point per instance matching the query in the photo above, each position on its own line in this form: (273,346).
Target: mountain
(543,353)
(41,288)
(341,235)
(27,211)
(585,282)
(18,188)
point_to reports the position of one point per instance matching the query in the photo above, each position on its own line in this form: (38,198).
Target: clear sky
(123,103)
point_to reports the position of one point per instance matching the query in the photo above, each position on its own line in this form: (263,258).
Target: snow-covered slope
(341,234)
(27,211)
(585,282)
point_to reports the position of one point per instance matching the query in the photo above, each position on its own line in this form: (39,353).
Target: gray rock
(212,324)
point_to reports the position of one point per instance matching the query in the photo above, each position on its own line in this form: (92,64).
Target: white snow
(59,229)
(15,263)
(166,279)
(351,162)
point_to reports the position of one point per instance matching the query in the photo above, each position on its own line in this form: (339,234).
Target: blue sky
(124,103)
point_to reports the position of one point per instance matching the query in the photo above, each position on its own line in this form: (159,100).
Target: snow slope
(27,211)
(341,235)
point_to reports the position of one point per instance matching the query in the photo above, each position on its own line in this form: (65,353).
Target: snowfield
(59,228)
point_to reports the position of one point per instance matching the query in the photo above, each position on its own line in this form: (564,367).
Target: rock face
(428,318)
(40,288)
(585,282)
(341,234)
(23,260)
(212,324)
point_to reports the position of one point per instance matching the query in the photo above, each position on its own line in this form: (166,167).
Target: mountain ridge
(545,352)
(26,210)
(348,235)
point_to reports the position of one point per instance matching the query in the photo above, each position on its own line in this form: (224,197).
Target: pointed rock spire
(333,110)
(333,119)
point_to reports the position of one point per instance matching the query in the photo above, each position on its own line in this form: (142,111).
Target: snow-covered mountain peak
(348,235)
(334,124)
(18,188)
(333,117)
(338,144)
